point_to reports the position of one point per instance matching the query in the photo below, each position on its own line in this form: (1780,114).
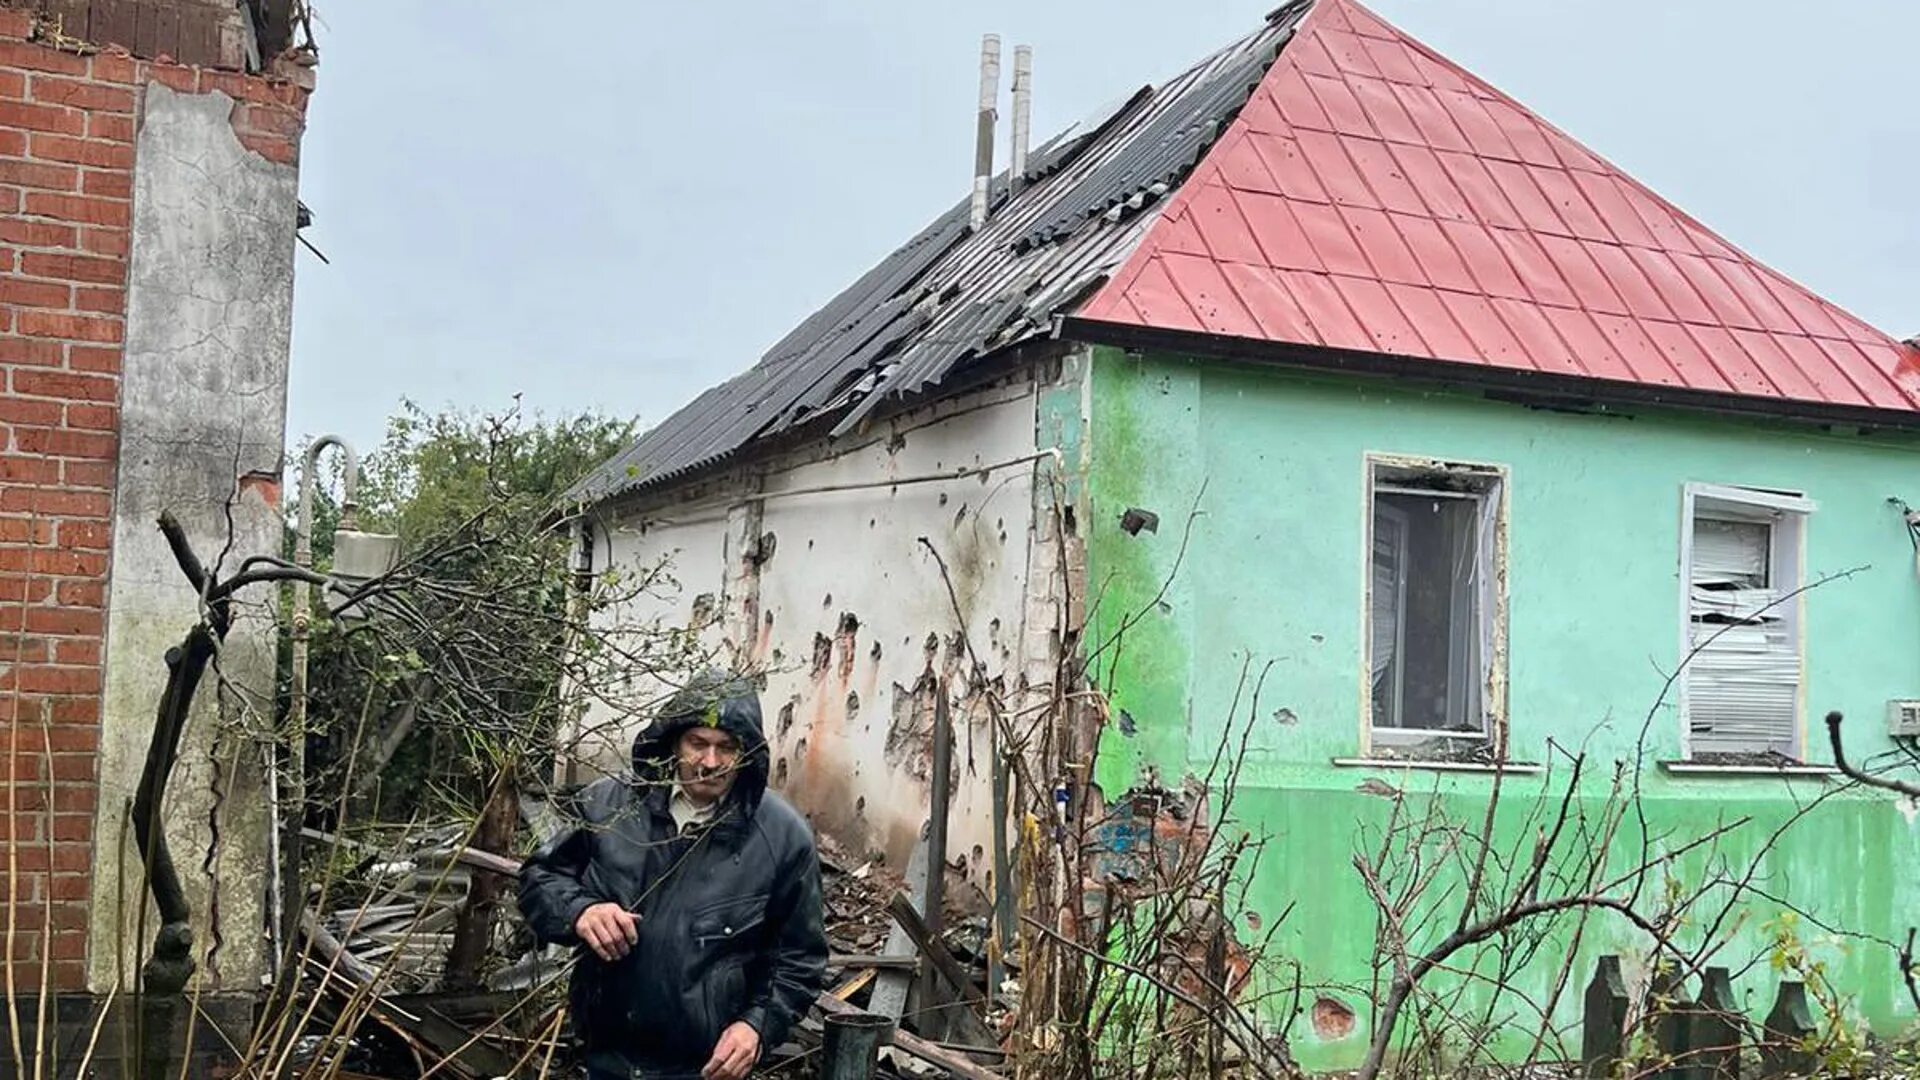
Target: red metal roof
(1374,197)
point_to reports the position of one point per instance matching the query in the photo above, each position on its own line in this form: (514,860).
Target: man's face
(707,758)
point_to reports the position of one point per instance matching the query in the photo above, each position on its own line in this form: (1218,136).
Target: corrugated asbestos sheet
(951,296)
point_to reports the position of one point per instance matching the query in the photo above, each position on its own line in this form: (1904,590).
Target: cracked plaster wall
(203,404)
(849,616)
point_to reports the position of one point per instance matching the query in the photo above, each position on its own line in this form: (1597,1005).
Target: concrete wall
(209,316)
(1276,569)
(848,614)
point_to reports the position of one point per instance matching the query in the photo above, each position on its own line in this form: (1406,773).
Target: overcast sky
(613,205)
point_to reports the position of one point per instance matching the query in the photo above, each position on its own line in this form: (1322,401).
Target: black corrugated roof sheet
(950,296)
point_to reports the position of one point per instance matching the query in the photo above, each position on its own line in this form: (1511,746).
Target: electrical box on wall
(1903,719)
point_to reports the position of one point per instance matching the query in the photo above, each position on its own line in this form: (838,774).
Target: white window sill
(1694,768)
(1512,768)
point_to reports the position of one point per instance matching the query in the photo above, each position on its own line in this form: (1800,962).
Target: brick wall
(67,126)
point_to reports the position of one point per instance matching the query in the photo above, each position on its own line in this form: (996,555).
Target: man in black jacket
(692,894)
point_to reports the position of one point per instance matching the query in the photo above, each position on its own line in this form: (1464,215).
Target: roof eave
(1548,388)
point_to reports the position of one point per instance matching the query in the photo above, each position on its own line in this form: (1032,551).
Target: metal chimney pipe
(983,144)
(1022,115)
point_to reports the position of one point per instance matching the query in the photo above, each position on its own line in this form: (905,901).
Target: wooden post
(1670,1015)
(1788,1027)
(1718,1028)
(1603,1020)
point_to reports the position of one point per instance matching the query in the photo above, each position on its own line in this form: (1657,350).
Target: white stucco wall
(850,619)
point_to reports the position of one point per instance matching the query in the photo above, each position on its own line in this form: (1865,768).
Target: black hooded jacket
(730,922)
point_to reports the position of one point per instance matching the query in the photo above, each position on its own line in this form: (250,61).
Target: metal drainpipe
(853,1044)
(288,896)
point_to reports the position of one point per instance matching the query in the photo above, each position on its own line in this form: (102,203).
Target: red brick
(22,500)
(38,234)
(23,648)
(95,357)
(53,563)
(39,174)
(15,410)
(19,530)
(93,153)
(9,204)
(85,535)
(48,679)
(277,150)
(73,767)
(76,651)
(26,114)
(93,417)
(272,120)
(69,327)
(70,623)
(79,94)
(19,350)
(20,469)
(99,271)
(40,58)
(80,208)
(184,79)
(103,301)
(13,85)
(105,241)
(110,127)
(16,24)
(243,87)
(60,442)
(116,67)
(97,475)
(13,142)
(65,385)
(42,294)
(90,594)
(22,590)
(82,714)
(107,184)
(73,799)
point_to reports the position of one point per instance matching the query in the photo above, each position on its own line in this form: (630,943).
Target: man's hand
(610,930)
(735,1054)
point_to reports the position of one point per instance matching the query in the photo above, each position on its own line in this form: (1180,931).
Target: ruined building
(149,155)
(1328,354)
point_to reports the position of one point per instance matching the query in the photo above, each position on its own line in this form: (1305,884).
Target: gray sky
(614,205)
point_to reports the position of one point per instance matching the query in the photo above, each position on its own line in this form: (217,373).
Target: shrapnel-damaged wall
(815,564)
(147,215)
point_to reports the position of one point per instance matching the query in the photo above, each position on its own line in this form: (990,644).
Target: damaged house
(148,212)
(1324,353)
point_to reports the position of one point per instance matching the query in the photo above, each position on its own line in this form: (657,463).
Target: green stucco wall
(1259,474)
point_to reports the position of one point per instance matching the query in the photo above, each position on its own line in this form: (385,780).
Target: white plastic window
(1743,635)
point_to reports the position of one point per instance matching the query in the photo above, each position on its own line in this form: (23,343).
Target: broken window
(1740,690)
(1434,609)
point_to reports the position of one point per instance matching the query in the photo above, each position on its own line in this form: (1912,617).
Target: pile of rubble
(376,944)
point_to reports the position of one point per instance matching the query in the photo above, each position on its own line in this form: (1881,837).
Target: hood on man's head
(716,699)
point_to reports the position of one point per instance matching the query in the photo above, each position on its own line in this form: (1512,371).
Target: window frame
(1386,473)
(1775,507)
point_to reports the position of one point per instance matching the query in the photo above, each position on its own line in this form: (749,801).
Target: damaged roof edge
(1004,365)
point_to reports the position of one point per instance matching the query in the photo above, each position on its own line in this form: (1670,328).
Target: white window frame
(1398,474)
(1791,510)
